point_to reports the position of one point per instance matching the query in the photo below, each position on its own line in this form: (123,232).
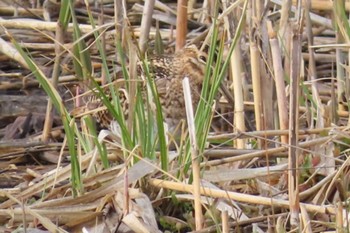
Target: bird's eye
(203,58)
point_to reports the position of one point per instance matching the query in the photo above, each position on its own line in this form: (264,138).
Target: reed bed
(265,150)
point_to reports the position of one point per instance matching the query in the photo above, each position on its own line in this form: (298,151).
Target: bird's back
(168,72)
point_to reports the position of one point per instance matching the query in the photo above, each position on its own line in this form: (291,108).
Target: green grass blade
(68,122)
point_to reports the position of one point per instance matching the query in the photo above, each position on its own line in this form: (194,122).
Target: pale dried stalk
(256,80)
(340,113)
(306,223)
(279,80)
(204,14)
(236,76)
(318,20)
(164,7)
(339,217)
(271,151)
(194,154)
(322,5)
(59,40)
(132,85)
(48,181)
(317,188)
(313,74)
(246,198)
(146,24)
(181,24)
(45,221)
(5,10)
(284,18)
(293,152)
(339,172)
(267,106)
(229,9)
(135,224)
(272,133)
(224,221)
(320,57)
(11,52)
(340,58)
(41,25)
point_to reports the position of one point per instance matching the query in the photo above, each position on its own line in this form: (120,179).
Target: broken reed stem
(312,76)
(246,198)
(271,151)
(146,24)
(341,72)
(236,77)
(194,154)
(42,25)
(59,40)
(279,80)
(320,5)
(256,80)
(305,220)
(268,133)
(293,151)
(225,222)
(11,52)
(181,24)
(235,63)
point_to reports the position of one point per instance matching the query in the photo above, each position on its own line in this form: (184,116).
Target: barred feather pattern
(168,72)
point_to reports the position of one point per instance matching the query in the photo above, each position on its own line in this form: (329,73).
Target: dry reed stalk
(194,155)
(322,5)
(319,186)
(246,198)
(236,76)
(12,53)
(338,173)
(256,80)
(285,9)
(305,220)
(302,145)
(320,57)
(41,25)
(267,117)
(340,113)
(313,74)
(340,58)
(146,24)
(59,41)
(101,20)
(316,19)
(48,181)
(20,11)
(341,37)
(339,218)
(165,34)
(228,9)
(269,133)
(279,80)
(225,222)
(255,67)
(204,13)
(132,85)
(164,7)
(293,151)
(181,24)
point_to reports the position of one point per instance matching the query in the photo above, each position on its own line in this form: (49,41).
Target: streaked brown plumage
(168,72)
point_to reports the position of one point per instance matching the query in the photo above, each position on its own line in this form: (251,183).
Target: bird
(167,72)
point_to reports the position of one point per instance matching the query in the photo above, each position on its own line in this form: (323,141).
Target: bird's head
(191,62)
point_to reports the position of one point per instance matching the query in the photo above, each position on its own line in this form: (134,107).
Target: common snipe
(168,72)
